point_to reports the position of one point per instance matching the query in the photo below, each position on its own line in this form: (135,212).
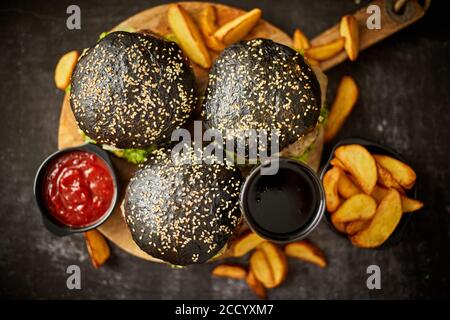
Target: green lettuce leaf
(135,156)
(305,155)
(299,51)
(104,34)
(323,117)
(172,37)
(86,138)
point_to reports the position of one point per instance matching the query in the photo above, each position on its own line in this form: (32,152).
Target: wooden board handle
(391,22)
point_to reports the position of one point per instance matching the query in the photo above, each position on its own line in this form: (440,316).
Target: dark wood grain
(404,103)
(369,37)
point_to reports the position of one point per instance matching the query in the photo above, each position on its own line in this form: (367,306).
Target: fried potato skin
(230,271)
(325,51)
(269,265)
(245,243)
(300,41)
(349,29)
(330,184)
(359,207)
(408,204)
(97,247)
(306,251)
(346,187)
(383,224)
(346,97)
(400,171)
(207,23)
(360,163)
(238,28)
(64,69)
(189,35)
(256,286)
(354,227)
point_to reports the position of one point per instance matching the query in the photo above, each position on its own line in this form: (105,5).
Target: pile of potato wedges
(268,265)
(366,194)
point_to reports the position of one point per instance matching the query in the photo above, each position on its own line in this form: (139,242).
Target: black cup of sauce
(373,147)
(285,206)
(76,189)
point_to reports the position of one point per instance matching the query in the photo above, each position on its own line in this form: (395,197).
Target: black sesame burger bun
(131,90)
(262,85)
(183,213)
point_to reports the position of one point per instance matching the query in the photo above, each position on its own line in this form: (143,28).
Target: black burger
(131,90)
(183,213)
(262,85)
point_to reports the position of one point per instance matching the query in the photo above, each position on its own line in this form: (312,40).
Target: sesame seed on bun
(262,85)
(183,213)
(131,90)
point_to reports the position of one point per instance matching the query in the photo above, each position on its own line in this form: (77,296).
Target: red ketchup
(78,188)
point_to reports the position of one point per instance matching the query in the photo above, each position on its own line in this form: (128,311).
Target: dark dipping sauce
(78,188)
(281,207)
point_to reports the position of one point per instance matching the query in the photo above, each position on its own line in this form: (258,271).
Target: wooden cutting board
(155,20)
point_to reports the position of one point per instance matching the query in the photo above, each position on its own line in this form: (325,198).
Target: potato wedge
(214,44)
(256,285)
(300,41)
(189,36)
(244,244)
(64,69)
(269,265)
(330,185)
(379,193)
(230,271)
(360,163)
(349,29)
(358,207)
(97,247)
(385,178)
(408,204)
(207,20)
(207,23)
(346,187)
(346,97)
(277,261)
(340,226)
(261,269)
(238,28)
(384,222)
(325,51)
(337,163)
(401,172)
(306,251)
(312,62)
(354,227)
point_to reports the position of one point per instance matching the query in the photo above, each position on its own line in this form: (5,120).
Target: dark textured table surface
(404,103)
